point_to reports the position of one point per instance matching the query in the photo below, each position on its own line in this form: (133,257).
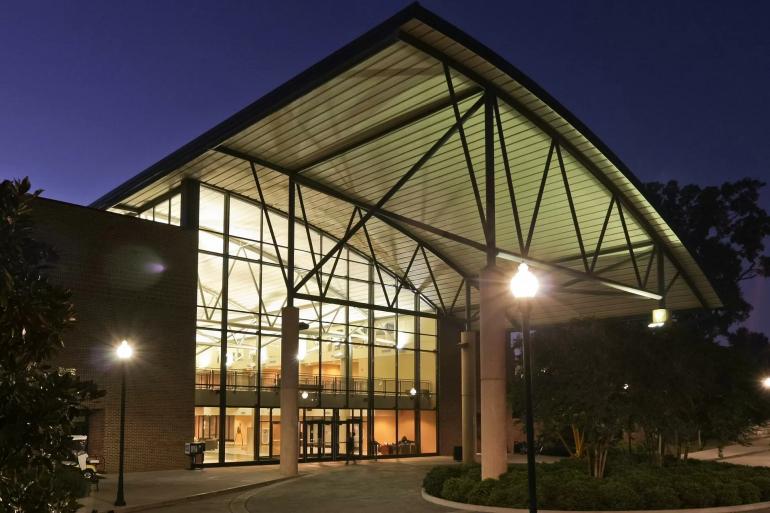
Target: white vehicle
(86,465)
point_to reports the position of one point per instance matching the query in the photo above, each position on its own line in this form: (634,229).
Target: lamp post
(124,353)
(524,287)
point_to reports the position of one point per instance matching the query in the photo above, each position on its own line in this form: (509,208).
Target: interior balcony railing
(246,380)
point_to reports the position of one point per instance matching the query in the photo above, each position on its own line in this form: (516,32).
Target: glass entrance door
(317,442)
(349,433)
(325,436)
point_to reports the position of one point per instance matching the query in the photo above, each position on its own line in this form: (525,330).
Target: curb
(498,509)
(198,496)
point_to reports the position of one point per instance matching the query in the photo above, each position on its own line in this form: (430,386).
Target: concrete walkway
(142,489)
(756,453)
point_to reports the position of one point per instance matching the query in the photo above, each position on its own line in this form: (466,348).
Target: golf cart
(86,465)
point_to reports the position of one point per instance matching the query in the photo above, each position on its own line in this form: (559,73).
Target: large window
(167,211)
(355,352)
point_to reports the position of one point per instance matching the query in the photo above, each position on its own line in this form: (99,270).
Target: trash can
(195,451)
(458,453)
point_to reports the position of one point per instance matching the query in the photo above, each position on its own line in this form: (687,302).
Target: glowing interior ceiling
(348,129)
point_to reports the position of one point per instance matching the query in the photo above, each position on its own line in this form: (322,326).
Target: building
(309,264)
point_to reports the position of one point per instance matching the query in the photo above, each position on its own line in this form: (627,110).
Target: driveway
(384,486)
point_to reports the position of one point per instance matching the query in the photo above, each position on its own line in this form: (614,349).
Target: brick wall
(136,280)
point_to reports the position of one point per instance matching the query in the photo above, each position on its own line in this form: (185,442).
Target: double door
(331,438)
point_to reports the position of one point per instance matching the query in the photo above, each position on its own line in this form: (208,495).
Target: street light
(124,352)
(524,286)
(766,382)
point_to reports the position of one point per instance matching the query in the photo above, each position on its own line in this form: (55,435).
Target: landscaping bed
(627,485)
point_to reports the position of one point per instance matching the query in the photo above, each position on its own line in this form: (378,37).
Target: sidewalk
(145,489)
(757,453)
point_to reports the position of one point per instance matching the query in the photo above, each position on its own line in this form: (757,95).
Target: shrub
(750,493)
(434,479)
(509,495)
(640,479)
(727,493)
(457,489)
(472,471)
(693,494)
(578,494)
(481,491)
(661,497)
(618,495)
(763,485)
(566,485)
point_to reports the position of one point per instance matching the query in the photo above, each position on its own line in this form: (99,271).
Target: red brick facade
(136,280)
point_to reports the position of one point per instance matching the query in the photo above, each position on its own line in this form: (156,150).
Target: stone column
(289,390)
(468,394)
(493,325)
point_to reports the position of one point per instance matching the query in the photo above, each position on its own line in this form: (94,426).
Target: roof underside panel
(561,199)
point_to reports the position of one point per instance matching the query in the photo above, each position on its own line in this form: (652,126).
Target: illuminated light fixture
(124,351)
(524,284)
(263,355)
(766,382)
(625,386)
(660,317)
(304,394)
(413,391)
(229,360)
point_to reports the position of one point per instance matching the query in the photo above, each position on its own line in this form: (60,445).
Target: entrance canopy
(423,148)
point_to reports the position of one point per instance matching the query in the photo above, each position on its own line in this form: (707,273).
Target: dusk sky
(91,93)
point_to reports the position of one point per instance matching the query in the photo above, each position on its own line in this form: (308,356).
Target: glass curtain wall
(350,359)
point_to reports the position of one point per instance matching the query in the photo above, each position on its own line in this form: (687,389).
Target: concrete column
(468,394)
(289,390)
(493,324)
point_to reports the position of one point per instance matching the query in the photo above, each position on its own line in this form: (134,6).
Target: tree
(725,228)
(596,378)
(39,403)
(578,383)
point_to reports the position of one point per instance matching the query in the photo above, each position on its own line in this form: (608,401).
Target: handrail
(247,380)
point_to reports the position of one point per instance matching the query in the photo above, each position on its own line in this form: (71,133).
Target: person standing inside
(350,446)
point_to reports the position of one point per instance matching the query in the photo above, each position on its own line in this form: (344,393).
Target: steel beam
(546,128)
(489,164)
(395,188)
(334,193)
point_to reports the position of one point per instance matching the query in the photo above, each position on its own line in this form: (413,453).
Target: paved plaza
(369,486)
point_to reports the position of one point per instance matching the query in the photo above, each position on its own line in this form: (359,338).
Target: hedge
(627,485)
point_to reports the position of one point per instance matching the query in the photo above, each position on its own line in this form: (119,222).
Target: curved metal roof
(394,123)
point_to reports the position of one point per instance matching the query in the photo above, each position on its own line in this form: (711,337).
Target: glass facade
(167,211)
(359,357)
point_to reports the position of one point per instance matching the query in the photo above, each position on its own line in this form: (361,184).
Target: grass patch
(627,485)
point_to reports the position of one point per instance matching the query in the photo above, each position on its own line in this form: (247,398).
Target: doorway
(325,436)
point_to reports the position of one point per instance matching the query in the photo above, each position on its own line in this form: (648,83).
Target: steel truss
(489,97)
